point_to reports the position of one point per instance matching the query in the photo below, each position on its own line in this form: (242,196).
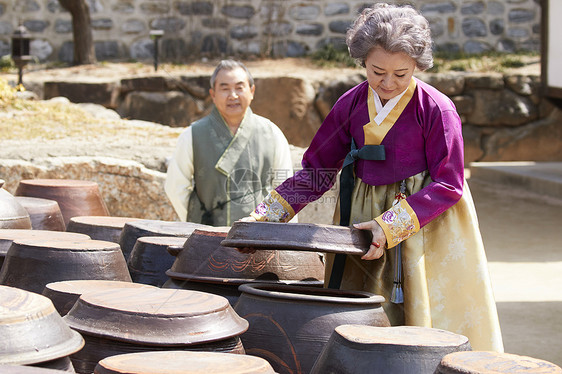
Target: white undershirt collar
(383,111)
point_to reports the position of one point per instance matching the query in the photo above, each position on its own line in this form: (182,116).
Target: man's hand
(378,244)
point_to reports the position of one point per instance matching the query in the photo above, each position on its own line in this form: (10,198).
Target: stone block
(155,8)
(340,26)
(108,50)
(501,108)
(194,8)
(328,93)
(36,25)
(464,104)
(196,86)
(103,93)
(278,28)
(474,27)
(133,26)
(41,49)
(536,141)
(289,103)
(301,12)
(242,32)
(127,187)
(168,24)
(444,7)
(473,7)
(102,24)
(238,11)
(472,137)
(521,15)
(150,84)
(215,23)
(451,84)
(63,26)
(310,29)
(172,108)
(336,8)
(289,48)
(487,81)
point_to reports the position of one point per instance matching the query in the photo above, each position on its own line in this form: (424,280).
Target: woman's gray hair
(230,65)
(395,29)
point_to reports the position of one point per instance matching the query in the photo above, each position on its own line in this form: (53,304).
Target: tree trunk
(81,30)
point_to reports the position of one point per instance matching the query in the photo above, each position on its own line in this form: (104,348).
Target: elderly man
(227,162)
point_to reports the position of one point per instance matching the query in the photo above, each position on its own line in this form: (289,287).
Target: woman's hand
(378,244)
(247,250)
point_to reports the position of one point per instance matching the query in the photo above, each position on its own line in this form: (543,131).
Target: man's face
(232,94)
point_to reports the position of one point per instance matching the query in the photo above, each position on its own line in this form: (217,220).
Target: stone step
(540,177)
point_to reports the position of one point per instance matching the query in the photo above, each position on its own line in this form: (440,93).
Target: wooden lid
(83,245)
(156,316)
(103,221)
(64,294)
(7,236)
(183,362)
(401,335)
(58,183)
(298,236)
(479,362)
(31,329)
(78,287)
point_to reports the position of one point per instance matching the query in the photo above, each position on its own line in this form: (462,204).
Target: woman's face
(389,74)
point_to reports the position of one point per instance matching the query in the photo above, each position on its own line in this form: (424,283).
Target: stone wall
(502,114)
(257,27)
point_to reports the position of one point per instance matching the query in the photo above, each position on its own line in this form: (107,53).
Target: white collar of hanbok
(384,110)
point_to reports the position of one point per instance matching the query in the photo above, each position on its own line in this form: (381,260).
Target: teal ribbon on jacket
(347,183)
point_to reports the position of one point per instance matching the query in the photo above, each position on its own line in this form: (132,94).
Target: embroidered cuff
(274,208)
(398,223)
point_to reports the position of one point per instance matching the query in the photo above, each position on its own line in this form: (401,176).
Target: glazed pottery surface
(147,227)
(149,259)
(65,293)
(7,236)
(134,314)
(183,362)
(106,228)
(75,197)
(398,350)
(31,329)
(149,319)
(229,291)
(480,362)
(203,258)
(289,325)
(32,264)
(12,214)
(63,364)
(44,214)
(298,236)
(19,369)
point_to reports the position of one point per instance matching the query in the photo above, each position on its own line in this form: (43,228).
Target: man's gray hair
(395,29)
(230,65)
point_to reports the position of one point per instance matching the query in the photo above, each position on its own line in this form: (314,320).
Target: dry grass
(22,119)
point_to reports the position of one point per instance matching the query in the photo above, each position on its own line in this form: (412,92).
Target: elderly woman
(402,145)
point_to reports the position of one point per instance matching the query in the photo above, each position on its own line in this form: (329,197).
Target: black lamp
(156,35)
(21,51)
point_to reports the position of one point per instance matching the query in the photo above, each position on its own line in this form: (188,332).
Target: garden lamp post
(156,35)
(21,52)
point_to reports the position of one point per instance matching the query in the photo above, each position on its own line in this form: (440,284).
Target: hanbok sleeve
(179,177)
(445,160)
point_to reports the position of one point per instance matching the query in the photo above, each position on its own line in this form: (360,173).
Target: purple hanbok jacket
(425,135)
